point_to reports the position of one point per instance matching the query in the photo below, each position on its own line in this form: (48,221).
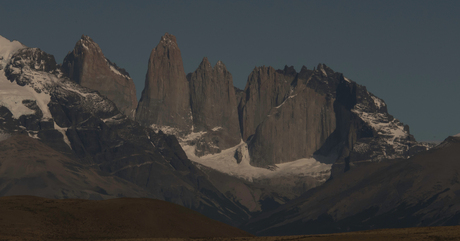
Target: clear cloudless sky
(406,52)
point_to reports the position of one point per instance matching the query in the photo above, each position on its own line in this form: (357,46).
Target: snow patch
(378,102)
(217,128)
(12,96)
(33,134)
(7,49)
(390,130)
(4,136)
(63,132)
(290,97)
(324,72)
(115,70)
(192,136)
(168,130)
(225,162)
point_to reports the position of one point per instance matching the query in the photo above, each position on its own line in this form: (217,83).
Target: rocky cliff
(318,113)
(265,89)
(165,98)
(87,66)
(212,101)
(88,128)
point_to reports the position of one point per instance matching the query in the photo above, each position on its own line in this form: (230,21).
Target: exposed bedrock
(165,98)
(212,101)
(87,66)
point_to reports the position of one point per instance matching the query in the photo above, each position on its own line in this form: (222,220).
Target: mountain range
(293,153)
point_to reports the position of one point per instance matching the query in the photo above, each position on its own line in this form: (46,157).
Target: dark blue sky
(405,52)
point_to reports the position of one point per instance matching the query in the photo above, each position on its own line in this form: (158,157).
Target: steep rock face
(88,128)
(87,66)
(331,117)
(212,101)
(165,98)
(239,94)
(299,125)
(295,129)
(265,89)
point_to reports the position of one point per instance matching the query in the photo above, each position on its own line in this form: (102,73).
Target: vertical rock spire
(212,100)
(165,98)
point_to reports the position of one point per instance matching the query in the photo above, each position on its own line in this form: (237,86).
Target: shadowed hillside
(28,217)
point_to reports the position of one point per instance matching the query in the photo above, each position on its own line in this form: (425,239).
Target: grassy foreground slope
(404,234)
(35,218)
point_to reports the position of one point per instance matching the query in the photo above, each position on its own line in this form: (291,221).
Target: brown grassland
(123,219)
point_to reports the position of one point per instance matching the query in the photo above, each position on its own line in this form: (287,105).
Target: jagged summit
(86,37)
(86,44)
(87,66)
(212,102)
(168,40)
(289,70)
(220,64)
(205,64)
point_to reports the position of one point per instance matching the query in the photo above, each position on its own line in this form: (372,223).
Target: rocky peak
(87,44)
(212,101)
(168,41)
(220,63)
(221,70)
(34,58)
(87,66)
(289,70)
(205,64)
(165,100)
(320,112)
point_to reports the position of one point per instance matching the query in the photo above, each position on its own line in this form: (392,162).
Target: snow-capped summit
(7,48)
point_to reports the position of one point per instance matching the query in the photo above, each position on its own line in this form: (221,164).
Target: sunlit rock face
(212,101)
(265,89)
(318,113)
(165,99)
(87,66)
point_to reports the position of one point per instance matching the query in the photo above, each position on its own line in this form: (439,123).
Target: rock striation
(265,89)
(87,66)
(212,101)
(165,98)
(318,113)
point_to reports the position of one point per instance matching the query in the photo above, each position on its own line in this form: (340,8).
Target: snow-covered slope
(391,137)
(12,94)
(29,92)
(7,49)
(226,162)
